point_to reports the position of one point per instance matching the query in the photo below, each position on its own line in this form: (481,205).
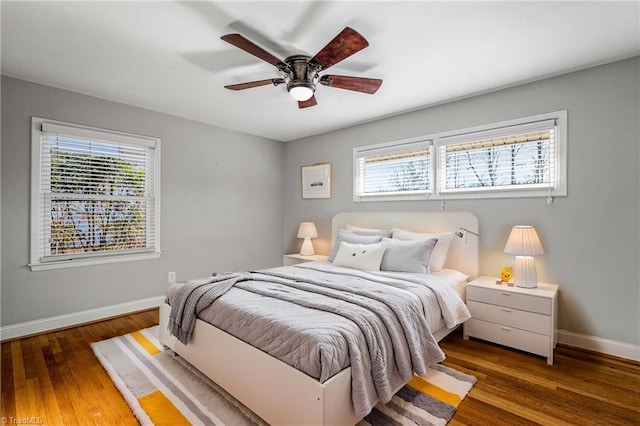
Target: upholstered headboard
(463,252)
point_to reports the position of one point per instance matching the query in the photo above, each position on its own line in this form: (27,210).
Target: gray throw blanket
(393,340)
(193,297)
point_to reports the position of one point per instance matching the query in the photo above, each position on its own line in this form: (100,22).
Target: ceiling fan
(301,73)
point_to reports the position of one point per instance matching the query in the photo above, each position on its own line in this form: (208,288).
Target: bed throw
(195,295)
(393,340)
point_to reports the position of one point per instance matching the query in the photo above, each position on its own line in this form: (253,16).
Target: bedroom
(591,237)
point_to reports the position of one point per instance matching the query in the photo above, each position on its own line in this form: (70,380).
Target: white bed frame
(277,392)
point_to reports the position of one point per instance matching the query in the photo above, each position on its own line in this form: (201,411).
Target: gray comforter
(325,319)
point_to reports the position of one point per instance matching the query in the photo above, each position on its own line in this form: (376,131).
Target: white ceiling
(168,57)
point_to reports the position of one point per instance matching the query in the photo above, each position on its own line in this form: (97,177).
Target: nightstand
(292,259)
(521,318)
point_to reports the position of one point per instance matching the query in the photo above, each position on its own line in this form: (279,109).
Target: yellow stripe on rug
(145,343)
(161,410)
(421,385)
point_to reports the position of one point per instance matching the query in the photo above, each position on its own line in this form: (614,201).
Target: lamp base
(307,248)
(524,272)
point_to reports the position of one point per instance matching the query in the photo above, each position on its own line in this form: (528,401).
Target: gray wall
(221,214)
(590,237)
(221,199)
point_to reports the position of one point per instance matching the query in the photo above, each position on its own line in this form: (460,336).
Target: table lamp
(524,243)
(307,231)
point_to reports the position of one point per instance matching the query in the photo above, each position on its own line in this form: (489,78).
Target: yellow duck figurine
(506,274)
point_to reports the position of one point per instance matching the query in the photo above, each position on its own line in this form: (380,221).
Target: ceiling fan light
(301,93)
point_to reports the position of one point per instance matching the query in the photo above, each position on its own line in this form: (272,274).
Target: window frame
(558,189)
(86,259)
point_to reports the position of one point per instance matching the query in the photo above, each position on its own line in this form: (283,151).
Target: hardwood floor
(516,388)
(55,379)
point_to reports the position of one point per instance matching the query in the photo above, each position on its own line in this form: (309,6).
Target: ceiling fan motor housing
(301,74)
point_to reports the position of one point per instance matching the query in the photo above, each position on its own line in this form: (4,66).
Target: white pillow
(453,275)
(352,239)
(366,257)
(439,253)
(386,233)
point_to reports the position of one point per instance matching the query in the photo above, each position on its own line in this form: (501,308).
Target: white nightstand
(292,259)
(522,318)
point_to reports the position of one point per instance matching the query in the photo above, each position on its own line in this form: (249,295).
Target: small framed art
(316,181)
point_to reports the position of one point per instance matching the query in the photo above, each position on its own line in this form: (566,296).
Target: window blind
(97,194)
(393,170)
(509,158)
(496,132)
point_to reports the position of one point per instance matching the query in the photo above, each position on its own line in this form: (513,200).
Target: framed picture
(316,181)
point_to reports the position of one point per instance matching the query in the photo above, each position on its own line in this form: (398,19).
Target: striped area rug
(165,390)
(429,400)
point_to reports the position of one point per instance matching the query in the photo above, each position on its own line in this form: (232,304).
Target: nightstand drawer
(508,336)
(502,315)
(510,299)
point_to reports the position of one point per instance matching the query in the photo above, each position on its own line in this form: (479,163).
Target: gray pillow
(350,238)
(407,256)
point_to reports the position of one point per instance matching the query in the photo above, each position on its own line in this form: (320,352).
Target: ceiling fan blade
(345,44)
(308,103)
(250,47)
(357,84)
(249,85)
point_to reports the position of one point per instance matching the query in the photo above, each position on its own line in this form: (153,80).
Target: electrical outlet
(172,277)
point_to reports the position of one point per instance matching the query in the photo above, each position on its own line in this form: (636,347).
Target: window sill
(44,266)
(395,197)
(463,196)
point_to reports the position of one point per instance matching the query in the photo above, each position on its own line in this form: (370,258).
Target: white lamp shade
(523,241)
(307,230)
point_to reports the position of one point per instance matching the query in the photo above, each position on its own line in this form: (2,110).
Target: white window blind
(97,194)
(392,170)
(512,158)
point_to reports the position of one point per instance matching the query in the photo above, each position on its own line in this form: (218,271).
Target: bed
(282,394)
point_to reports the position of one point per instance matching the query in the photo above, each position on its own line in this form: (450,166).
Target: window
(398,170)
(95,196)
(518,158)
(515,158)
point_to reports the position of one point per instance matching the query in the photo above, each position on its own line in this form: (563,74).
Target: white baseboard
(597,344)
(68,320)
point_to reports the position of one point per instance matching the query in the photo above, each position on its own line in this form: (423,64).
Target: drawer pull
(505,310)
(506,294)
(505,328)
